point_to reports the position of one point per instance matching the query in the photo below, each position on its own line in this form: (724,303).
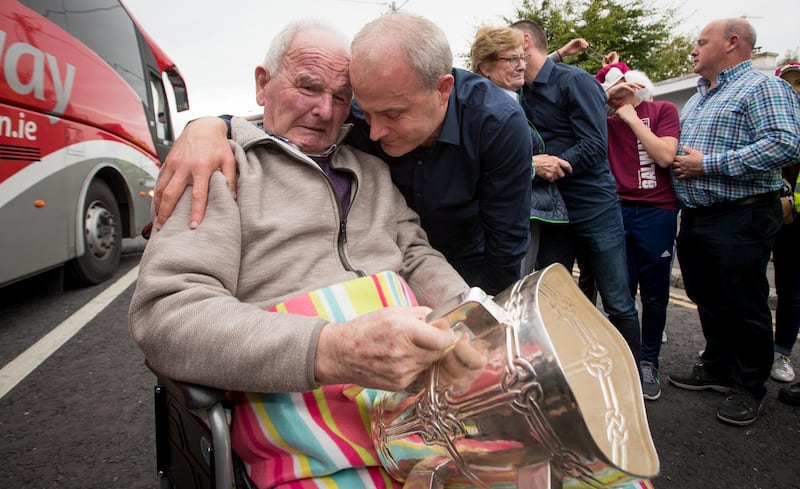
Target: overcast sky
(217,44)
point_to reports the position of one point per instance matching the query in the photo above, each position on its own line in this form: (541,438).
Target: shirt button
(419,195)
(419,162)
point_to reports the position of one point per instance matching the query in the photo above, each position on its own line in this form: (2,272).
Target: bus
(85,120)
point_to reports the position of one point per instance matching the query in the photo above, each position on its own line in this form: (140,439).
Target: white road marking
(19,368)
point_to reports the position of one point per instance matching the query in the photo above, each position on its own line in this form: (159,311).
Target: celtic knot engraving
(529,394)
(438,419)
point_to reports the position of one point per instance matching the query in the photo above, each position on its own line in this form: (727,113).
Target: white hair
(281,43)
(636,76)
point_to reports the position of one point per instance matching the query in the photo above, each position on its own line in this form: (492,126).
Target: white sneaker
(782,368)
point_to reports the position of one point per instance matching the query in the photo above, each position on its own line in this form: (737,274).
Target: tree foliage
(638,30)
(790,55)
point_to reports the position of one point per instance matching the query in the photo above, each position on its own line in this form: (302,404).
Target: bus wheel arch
(102,232)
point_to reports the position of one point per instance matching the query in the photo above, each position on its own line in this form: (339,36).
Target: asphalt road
(83,418)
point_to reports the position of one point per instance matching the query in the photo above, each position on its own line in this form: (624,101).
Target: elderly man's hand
(462,365)
(550,167)
(689,165)
(200,150)
(385,349)
(463,362)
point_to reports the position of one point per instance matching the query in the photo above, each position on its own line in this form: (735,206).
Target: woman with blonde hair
(497,53)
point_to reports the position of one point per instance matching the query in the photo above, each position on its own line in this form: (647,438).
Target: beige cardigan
(198,311)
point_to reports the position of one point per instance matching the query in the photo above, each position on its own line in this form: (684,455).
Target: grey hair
(283,40)
(422,42)
(743,29)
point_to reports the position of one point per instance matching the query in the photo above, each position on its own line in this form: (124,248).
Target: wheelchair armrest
(194,397)
(200,399)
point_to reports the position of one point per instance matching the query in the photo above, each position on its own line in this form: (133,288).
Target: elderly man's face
(308,99)
(403,115)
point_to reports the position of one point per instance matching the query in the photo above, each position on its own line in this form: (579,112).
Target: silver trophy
(557,405)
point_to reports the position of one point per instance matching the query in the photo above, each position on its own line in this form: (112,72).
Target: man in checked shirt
(737,132)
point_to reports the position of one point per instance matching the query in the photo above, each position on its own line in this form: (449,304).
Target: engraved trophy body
(558,404)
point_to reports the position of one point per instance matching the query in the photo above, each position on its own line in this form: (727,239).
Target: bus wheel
(102,236)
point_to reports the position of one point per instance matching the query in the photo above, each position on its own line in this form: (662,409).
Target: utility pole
(392,5)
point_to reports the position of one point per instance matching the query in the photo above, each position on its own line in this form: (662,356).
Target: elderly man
(458,148)
(737,132)
(216,305)
(569,108)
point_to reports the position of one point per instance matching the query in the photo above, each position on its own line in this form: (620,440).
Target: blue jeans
(601,241)
(649,246)
(787,285)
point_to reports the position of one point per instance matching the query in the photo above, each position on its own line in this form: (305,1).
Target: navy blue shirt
(568,107)
(472,188)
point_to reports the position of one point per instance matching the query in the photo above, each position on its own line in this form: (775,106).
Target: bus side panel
(42,193)
(34,238)
(34,212)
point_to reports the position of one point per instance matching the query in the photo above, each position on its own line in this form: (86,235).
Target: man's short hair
(743,29)
(537,33)
(283,40)
(422,42)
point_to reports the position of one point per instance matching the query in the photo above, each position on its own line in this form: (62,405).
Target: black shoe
(699,380)
(790,394)
(739,408)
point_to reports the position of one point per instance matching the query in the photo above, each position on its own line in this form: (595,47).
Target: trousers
(723,252)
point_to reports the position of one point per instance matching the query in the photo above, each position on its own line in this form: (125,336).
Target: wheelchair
(193,443)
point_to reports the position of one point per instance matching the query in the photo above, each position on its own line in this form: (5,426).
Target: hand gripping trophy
(558,404)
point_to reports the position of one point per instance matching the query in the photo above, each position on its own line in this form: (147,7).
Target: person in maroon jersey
(642,143)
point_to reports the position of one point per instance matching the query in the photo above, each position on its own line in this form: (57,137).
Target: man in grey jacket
(310,212)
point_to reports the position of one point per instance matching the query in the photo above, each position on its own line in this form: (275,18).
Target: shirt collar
(726,75)
(450,132)
(544,72)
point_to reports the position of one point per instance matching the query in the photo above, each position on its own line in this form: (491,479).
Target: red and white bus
(84,122)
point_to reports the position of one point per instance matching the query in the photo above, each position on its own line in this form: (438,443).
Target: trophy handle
(461,309)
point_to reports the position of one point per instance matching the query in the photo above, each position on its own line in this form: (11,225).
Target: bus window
(115,42)
(160,113)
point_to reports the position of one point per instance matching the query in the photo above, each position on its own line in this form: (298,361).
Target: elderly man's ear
(262,78)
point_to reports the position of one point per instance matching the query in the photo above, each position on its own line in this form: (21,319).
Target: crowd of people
(411,180)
